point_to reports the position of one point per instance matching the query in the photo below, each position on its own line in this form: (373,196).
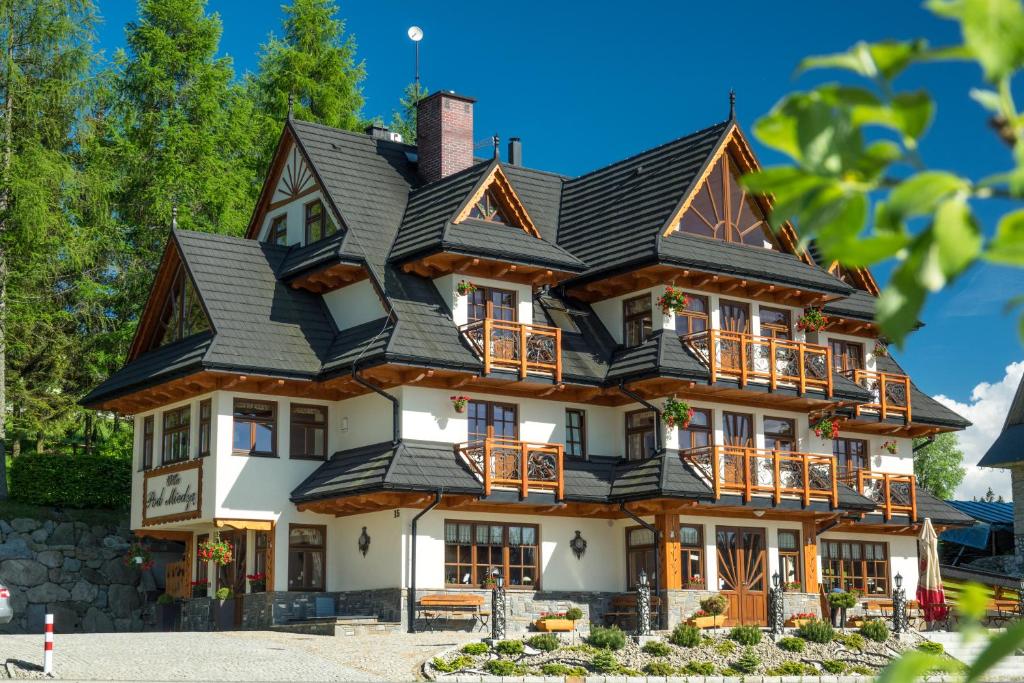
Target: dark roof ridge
(353,133)
(225,238)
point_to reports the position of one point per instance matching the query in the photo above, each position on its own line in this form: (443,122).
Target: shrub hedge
(78,481)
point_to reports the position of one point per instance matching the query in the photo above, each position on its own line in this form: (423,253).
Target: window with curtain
(474,550)
(855,564)
(176,434)
(851,455)
(779,434)
(846,356)
(691,544)
(695,317)
(789,559)
(640,426)
(698,433)
(205,421)
(640,554)
(147,442)
(776,323)
(575,433)
(637,320)
(308,432)
(255,427)
(306,557)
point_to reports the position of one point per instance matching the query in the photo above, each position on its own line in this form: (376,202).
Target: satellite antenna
(416,35)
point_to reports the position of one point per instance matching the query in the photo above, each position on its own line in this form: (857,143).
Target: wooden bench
(447,606)
(622,611)
(1002,605)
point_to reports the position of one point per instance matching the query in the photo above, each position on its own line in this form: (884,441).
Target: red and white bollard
(48,647)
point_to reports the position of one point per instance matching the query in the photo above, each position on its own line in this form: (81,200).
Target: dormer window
(278,233)
(183,315)
(318,224)
(487,209)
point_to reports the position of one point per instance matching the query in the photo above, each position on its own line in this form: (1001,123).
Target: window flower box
(557,622)
(706,621)
(800,619)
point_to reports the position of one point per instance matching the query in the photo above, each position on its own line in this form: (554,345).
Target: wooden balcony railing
(507,463)
(736,469)
(893,493)
(517,346)
(890,393)
(749,358)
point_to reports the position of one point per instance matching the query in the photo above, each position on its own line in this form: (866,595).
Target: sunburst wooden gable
(732,155)
(858,277)
(495,188)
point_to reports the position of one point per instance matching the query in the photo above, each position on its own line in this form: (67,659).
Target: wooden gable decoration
(861,278)
(494,201)
(295,180)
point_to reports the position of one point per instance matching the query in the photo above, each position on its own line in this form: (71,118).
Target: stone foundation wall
(197,614)
(75,572)
(681,604)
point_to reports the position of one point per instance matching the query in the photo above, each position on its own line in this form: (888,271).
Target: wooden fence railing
(890,393)
(517,346)
(893,493)
(516,464)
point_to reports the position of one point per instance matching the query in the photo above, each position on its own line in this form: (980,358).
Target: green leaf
(1008,244)
(877,157)
(914,665)
(972,602)
(993,31)
(857,59)
(1000,647)
(988,99)
(876,247)
(914,112)
(892,57)
(828,141)
(871,60)
(920,194)
(957,237)
(777,129)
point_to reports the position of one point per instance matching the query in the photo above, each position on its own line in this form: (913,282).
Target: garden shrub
(510,648)
(861,670)
(475,648)
(660,668)
(607,637)
(656,648)
(854,641)
(165,599)
(700,668)
(817,631)
(791,644)
(81,481)
(876,630)
(792,668)
(557,669)
(685,635)
(748,662)
(452,665)
(725,647)
(224,593)
(843,600)
(745,635)
(714,605)
(545,641)
(604,662)
(574,614)
(932,647)
(833,666)
(503,667)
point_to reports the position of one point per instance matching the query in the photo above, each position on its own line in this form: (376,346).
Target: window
(695,318)
(846,356)
(698,434)
(147,442)
(176,434)
(779,434)
(255,427)
(261,542)
(637,320)
(487,209)
(202,568)
(473,550)
(776,323)
(318,224)
(306,557)
(640,554)
(309,432)
(723,210)
(640,426)
(855,564)
(205,417)
(183,315)
(789,559)
(278,233)
(575,433)
(488,420)
(851,455)
(691,542)
(488,302)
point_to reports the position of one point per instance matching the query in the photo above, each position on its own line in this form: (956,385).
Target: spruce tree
(404,120)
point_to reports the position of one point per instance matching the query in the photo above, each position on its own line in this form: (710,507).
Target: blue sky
(586,84)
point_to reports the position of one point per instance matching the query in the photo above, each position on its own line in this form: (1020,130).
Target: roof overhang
(524,271)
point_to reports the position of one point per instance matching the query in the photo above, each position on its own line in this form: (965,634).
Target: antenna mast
(416,35)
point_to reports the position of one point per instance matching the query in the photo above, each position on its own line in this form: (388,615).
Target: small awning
(976,536)
(245,524)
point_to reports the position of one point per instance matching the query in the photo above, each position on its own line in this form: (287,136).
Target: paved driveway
(230,656)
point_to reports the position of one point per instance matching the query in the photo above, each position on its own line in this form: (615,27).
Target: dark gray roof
(303,258)
(1008,447)
(939,511)
(859,304)
(159,365)
(541,194)
(589,480)
(508,243)
(663,476)
(924,409)
(587,346)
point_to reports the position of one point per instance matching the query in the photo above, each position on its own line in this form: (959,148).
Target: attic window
(183,315)
(487,209)
(721,209)
(318,224)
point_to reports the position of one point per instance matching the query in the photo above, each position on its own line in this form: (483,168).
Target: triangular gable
(174,309)
(717,206)
(494,196)
(861,278)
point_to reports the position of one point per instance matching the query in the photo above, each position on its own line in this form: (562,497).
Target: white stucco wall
(354,304)
(296,212)
(459,305)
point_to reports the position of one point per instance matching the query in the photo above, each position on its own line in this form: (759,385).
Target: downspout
(924,444)
(395,409)
(658,448)
(411,600)
(657,542)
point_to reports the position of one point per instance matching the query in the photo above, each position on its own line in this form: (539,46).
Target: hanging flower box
(460,403)
(677,413)
(464,288)
(813,320)
(890,446)
(826,428)
(138,557)
(217,551)
(673,301)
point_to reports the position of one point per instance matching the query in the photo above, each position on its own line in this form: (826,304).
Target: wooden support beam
(810,568)
(671,568)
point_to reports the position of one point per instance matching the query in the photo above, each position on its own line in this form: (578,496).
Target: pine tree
(404,120)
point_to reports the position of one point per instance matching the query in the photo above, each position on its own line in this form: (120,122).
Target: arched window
(722,209)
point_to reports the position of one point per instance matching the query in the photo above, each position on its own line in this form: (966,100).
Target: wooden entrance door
(233,575)
(742,568)
(735,317)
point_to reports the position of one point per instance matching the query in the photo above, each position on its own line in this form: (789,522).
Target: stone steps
(1009,669)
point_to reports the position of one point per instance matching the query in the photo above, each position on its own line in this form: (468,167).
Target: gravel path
(230,656)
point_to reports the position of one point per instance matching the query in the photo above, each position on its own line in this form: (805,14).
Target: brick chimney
(444,135)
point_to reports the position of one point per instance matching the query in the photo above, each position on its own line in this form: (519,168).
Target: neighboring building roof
(984,511)
(1008,447)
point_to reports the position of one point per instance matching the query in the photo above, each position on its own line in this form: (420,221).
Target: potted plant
(673,301)
(138,557)
(711,613)
(694,584)
(465,287)
(215,550)
(489,582)
(798,619)
(676,412)
(554,621)
(257,582)
(813,320)
(881,349)
(225,609)
(839,601)
(459,402)
(890,446)
(826,428)
(168,610)
(200,588)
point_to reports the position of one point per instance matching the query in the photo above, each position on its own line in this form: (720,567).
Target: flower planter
(707,622)
(167,616)
(460,408)
(552,625)
(855,622)
(796,623)
(225,614)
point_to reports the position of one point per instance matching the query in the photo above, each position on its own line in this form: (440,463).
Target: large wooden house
(419,368)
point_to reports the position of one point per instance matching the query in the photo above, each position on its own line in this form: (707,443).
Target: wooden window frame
(488,207)
(487,293)
(260,558)
(474,566)
(839,360)
(726,414)
(580,439)
(709,430)
(687,316)
(202,566)
(636,430)
(775,330)
(642,548)
(272,453)
(205,427)
(323,221)
(687,552)
(489,417)
(148,435)
(321,548)
(175,313)
(630,318)
(278,232)
(842,457)
(167,434)
(305,424)
(796,555)
(766,433)
(829,578)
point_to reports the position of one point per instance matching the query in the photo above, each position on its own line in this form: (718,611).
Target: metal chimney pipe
(515,152)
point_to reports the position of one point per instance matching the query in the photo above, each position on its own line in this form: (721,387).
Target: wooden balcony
(750,471)
(892,493)
(890,394)
(763,360)
(518,465)
(522,347)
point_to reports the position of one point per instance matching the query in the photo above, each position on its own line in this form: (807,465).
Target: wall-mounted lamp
(578,545)
(364,542)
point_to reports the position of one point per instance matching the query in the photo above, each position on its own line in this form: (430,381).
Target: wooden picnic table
(446,606)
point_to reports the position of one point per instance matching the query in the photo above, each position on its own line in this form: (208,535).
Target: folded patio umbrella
(929,584)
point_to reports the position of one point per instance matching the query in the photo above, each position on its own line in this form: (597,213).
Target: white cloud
(986,410)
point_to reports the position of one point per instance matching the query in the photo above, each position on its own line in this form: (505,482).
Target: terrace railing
(892,493)
(520,465)
(522,347)
(890,393)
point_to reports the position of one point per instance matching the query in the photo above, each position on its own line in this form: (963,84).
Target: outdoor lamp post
(497,605)
(643,604)
(899,606)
